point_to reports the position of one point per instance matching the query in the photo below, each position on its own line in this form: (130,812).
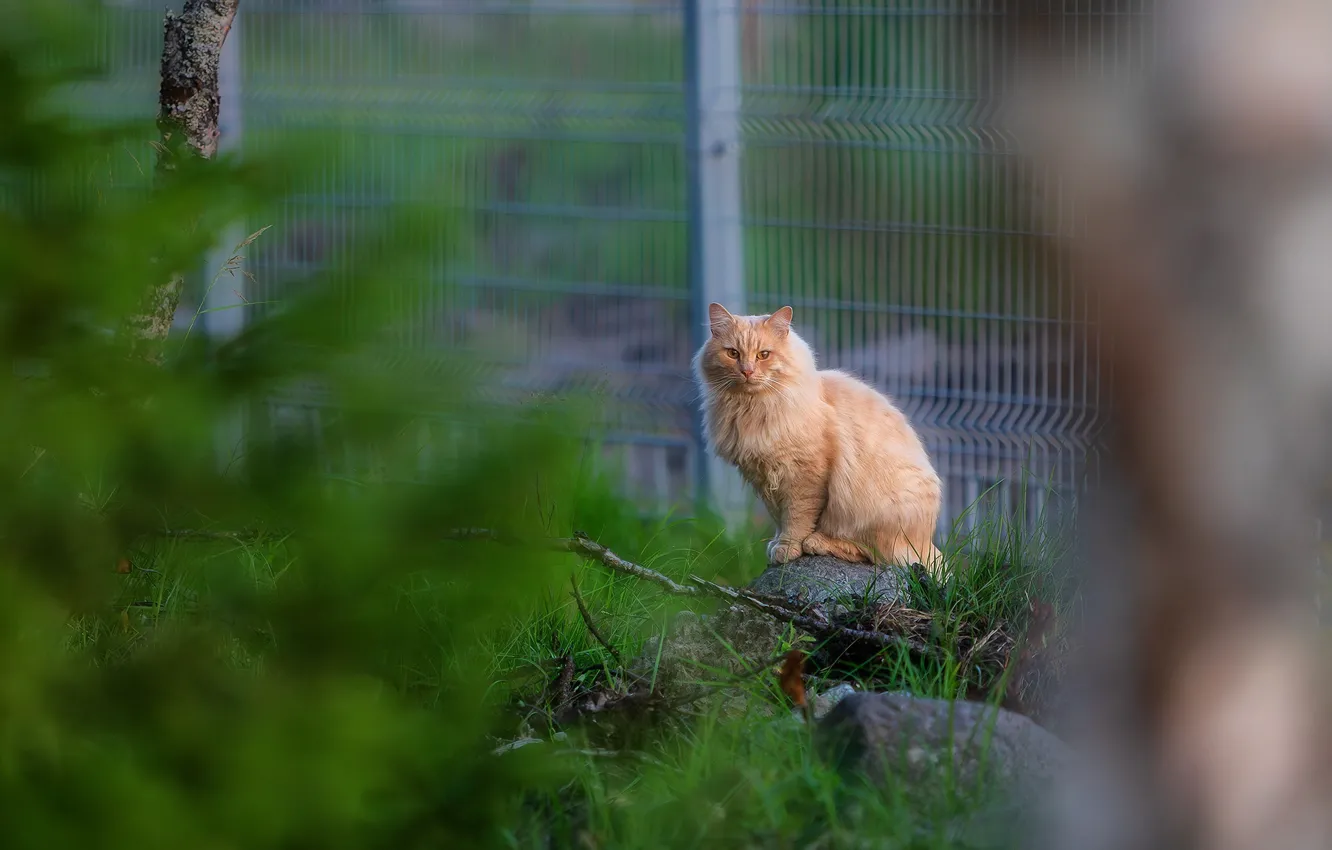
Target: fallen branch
(203,535)
(580,544)
(765,606)
(817,625)
(561,690)
(592,626)
(570,751)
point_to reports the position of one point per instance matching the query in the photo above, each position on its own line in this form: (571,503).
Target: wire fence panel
(875,201)
(887,211)
(554,129)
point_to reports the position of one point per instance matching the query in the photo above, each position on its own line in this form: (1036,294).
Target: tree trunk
(187,110)
(1205,182)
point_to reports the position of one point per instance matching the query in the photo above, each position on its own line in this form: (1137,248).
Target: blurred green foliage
(313,683)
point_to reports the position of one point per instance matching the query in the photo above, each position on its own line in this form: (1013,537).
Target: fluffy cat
(839,467)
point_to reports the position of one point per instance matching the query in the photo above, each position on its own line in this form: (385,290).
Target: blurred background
(849,166)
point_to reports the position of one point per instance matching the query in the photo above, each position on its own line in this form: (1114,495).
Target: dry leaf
(123,566)
(792,677)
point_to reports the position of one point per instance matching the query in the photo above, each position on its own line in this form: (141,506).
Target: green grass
(706,777)
(696,776)
(726,783)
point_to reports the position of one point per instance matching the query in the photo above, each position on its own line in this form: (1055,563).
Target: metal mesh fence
(874,199)
(884,203)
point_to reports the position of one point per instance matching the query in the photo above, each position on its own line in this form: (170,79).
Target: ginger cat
(839,467)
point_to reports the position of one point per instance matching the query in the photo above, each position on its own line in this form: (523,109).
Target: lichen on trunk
(187,116)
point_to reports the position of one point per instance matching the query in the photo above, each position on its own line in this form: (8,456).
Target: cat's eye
(733,354)
(763,355)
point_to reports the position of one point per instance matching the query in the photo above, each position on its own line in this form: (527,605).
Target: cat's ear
(780,321)
(719,317)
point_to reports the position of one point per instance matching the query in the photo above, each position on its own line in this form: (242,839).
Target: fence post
(223,316)
(715,236)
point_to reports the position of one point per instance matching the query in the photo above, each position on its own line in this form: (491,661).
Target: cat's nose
(747,371)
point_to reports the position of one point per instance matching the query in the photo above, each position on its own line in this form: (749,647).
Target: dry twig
(204,535)
(580,544)
(561,690)
(592,626)
(815,622)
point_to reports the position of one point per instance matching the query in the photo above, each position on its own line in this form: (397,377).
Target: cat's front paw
(781,550)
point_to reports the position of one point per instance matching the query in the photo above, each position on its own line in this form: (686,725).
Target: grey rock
(913,738)
(827,700)
(737,638)
(700,649)
(821,579)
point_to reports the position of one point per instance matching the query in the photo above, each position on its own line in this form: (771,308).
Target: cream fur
(839,467)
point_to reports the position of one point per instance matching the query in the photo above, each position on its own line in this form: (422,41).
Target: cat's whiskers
(776,381)
(786,392)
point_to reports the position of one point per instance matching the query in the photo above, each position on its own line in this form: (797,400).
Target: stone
(822,579)
(699,649)
(737,638)
(911,738)
(826,701)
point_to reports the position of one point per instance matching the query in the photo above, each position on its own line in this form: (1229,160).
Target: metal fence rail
(618,163)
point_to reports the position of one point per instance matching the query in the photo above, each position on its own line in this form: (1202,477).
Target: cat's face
(747,353)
